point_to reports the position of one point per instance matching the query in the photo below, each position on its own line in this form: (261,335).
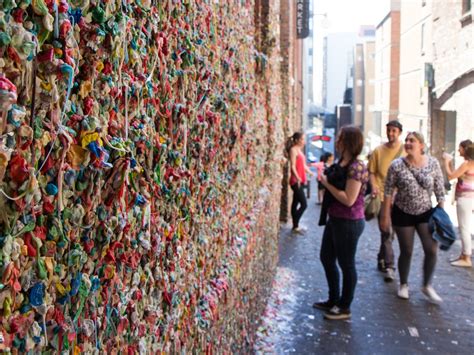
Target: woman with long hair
(415,177)
(298,179)
(345,224)
(464,198)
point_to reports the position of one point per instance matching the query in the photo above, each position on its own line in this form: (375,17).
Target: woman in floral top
(415,177)
(345,225)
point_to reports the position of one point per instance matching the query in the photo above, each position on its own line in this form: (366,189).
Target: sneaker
(431,295)
(325,306)
(462,262)
(456,258)
(389,275)
(299,230)
(381,265)
(336,313)
(403,292)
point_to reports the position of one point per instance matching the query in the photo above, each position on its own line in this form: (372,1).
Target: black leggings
(299,198)
(406,239)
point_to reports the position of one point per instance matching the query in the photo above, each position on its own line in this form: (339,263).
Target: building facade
(291,73)
(387,72)
(453,64)
(415,60)
(363,87)
(337,62)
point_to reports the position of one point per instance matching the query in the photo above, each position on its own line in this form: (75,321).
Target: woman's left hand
(447,157)
(324,180)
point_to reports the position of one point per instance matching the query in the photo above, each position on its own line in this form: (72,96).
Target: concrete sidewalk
(381,323)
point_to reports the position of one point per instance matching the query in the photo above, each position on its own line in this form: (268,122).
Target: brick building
(453,64)
(387,71)
(291,72)
(415,58)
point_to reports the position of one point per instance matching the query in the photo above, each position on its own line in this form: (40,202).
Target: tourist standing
(345,224)
(464,195)
(415,178)
(379,162)
(298,179)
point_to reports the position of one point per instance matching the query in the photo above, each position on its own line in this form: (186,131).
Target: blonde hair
(420,138)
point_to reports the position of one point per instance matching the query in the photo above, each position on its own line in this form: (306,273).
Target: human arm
(385,220)
(373,184)
(438,183)
(372,166)
(451,173)
(293,156)
(390,191)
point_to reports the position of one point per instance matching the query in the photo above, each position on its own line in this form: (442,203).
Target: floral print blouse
(356,171)
(415,185)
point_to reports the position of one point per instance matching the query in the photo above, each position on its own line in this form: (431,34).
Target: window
(466,6)
(360,82)
(423,2)
(422,45)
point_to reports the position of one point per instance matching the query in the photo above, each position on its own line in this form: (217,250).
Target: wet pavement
(381,323)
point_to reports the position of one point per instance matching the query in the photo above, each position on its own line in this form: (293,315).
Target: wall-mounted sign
(302,18)
(321,138)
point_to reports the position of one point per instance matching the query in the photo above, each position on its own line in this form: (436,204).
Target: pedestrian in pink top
(298,179)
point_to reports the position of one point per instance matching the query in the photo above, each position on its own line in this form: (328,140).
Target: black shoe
(381,266)
(325,306)
(336,313)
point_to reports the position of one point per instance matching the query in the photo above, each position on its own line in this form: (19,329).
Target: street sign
(302,18)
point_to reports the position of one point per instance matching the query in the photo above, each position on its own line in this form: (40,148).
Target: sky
(348,15)
(342,16)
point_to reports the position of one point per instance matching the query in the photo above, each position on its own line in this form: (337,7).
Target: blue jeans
(339,244)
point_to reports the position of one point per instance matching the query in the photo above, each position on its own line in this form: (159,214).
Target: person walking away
(415,178)
(464,195)
(298,179)
(379,161)
(344,226)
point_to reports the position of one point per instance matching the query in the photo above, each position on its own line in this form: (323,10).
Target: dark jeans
(339,244)
(299,204)
(386,248)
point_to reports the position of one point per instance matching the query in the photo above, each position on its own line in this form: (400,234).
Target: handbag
(372,205)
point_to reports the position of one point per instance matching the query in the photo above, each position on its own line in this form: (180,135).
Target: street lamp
(325,22)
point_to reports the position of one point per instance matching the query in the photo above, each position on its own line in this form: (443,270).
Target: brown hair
(465,143)
(291,142)
(352,140)
(469,152)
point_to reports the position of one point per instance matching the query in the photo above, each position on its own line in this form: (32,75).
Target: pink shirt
(299,169)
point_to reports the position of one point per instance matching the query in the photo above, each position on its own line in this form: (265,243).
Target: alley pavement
(381,323)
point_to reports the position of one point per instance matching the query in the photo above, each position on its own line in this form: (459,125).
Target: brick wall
(453,62)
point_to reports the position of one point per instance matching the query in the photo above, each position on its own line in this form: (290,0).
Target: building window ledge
(466,19)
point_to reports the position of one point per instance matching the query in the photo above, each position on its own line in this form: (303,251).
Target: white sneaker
(299,230)
(431,294)
(403,292)
(389,275)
